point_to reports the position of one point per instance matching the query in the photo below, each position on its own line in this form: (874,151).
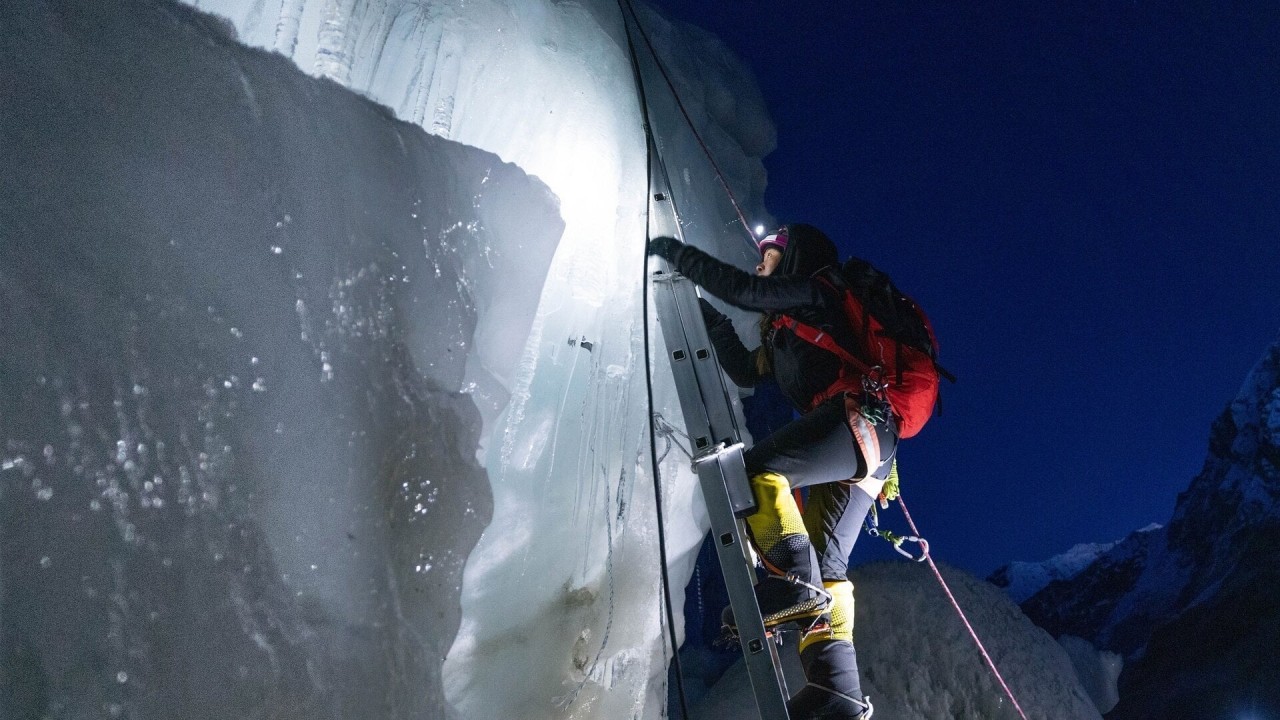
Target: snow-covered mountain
(1021,579)
(1192,606)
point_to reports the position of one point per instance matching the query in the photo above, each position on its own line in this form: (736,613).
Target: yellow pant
(777,526)
(778,530)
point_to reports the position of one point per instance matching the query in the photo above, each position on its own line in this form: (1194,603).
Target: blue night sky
(1084,198)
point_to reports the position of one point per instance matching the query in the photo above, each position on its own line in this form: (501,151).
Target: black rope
(648,374)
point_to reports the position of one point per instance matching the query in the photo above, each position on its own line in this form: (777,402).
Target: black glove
(665,248)
(710,315)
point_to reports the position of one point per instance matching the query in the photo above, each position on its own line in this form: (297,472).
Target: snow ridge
(1021,580)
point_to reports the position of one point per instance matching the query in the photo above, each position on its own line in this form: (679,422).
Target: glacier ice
(239,309)
(257,335)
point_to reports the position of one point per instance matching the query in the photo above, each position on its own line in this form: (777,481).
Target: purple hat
(778,239)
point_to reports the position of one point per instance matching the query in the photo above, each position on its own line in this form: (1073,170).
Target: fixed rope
(972,633)
(648,376)
(680,104)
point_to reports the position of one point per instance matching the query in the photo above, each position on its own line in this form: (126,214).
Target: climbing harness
(872,404)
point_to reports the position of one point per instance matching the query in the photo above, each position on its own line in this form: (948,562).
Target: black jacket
(801,369)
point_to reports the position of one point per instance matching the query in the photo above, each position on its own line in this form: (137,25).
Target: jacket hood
(808,251)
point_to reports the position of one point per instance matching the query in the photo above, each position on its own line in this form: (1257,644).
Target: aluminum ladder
(717,451)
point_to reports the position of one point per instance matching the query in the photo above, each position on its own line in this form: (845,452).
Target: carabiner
(924,548)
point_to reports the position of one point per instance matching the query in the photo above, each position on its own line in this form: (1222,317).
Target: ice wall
(559,607)
(237,308)
(559,602)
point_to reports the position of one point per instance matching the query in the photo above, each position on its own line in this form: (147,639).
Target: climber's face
(769,261)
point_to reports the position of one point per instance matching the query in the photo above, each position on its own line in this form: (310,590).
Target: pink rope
(972,633)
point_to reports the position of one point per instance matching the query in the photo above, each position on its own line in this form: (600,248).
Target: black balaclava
(808,251)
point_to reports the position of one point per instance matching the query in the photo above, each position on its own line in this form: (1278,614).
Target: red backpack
(896,349)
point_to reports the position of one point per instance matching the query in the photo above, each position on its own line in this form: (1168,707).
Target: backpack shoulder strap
(820,338)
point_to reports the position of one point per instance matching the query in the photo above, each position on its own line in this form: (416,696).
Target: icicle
(287,26)
(333,60)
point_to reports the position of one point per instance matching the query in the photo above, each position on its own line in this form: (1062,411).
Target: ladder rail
(722,475)
(716,444)
(713,432)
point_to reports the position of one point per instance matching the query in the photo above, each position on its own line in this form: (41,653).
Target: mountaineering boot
(838,617)
(830,664)
(792,592)
(833,691)
(783,602)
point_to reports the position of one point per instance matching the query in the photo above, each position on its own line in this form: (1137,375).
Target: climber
(841,448)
